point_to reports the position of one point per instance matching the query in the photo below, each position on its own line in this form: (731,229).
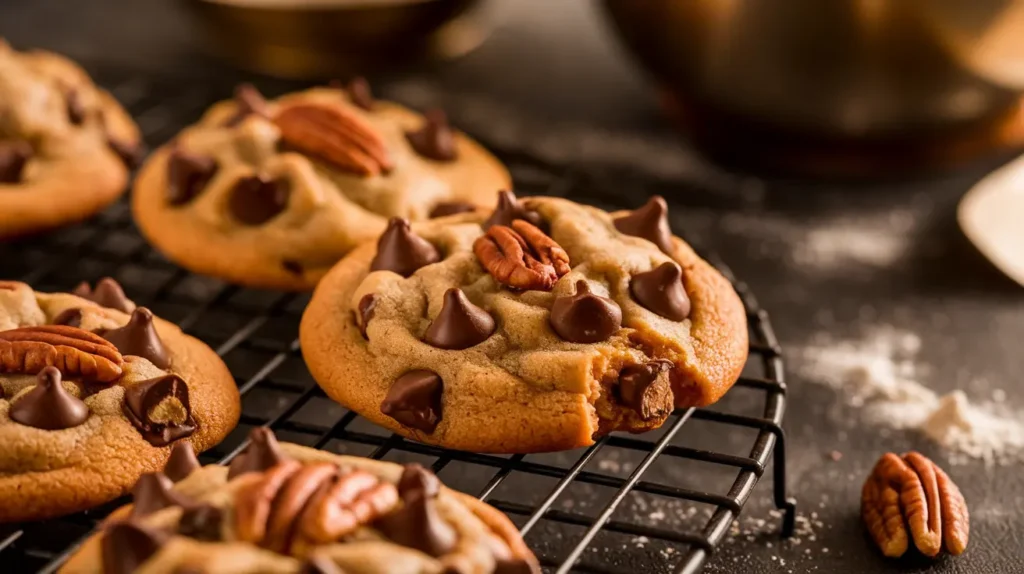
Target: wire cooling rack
(655,502)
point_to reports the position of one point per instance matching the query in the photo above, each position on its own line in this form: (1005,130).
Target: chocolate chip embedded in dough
(417,524)
(416,477)
(108,293)
(585,317)
(187,175)
(661,291)
(649,222)
(360,93)
(402,251)
(414,400)
(76,111)
(293,267)
(515,566)
(139,338)
(646,389)
(262,453)
(159,408)
(509,209)
(130,153)
(152,492)
(365,309)
(248,101)
(13,157)
(71,317)
(202,522)
(127,545)
(451,208)
(460,324)
(182,461)
(435,139)
(48,405)
(255,200)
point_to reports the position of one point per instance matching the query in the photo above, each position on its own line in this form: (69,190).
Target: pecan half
(521,256)
(71,350)
(335,135)
(912,491)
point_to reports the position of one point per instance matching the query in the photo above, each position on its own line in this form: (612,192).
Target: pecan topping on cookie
(510,209)
(256,200)
(402,251)
(460,324)
(414,400)
(521,256)
(262,453)
(108,293)
(585,317)
(416,523)
(48,405)
(187,175)
(139,338)
(661,291)
(72,351)
(649,222)
(159,408)
(335,135)
(646,389)
(13,157)
(435,140)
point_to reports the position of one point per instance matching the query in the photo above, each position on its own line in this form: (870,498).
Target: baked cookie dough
(537,328)
(65,145)
(94,392)
(289,509)
(272,193)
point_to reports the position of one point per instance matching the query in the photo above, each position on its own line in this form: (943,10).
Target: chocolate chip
(255,200)
(293,267)
(320,565)
(130,152)
(451,208)
(262,453)
(435,140)
(509,209)
(415,477)
(418,525)
(402,251)
(248,100)
(76,111)
(366,307)
(515,566)
(13,157)
(182,462)
(159,408)
(414,400)
(585,317)
(359,92)
(460,324)
(646,389)
(661,291)
(153,492)
(108,293)
(139,338)
(201,522)
(187,175)
(48,405)
(71,317)
(649,222)
(128,545)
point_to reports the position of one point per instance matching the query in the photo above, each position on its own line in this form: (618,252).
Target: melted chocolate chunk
(13,157)
(649,222)
(402,251)
(262,453)
(414,400)
(248,101)
(515,566)
(256,200)
(182,462)
(367,305)
(202,522)
(451,208)
(360,93)
(435,140)
(187,175)
(460,324)
(49,406)
(291,266)
(646,389)
(509,209)
(108,293)
(153,492)
(71,317)
(416,477)
(127,545)
(76,111)
(661,291)
(130,153)
(417,523)
(139,338)
(585,317)
(159,408)
(320,565)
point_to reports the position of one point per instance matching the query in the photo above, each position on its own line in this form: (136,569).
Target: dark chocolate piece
(509,209)
(256,200)
(108,293)
(402,251)
(13,157)
(460,324)
(367,305)
(646,388)
(48,405)
(515,566)
(139,337)
(414,400)
(262,453)
(435,139)
(248,101)
(417,523)
(201,522)
(153,492)
(187,175)
(416,477)
(661,291)
(649,222)
(159,408)
(130,153)
(585,317)
(182,462)
(127,545)
(360,93)
(76,111)
(71,317)
(291,266)
(451,208)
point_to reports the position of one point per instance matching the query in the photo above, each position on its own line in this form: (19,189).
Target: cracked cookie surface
(539,328)
(271,193)
(92,396)
(64,143)
(289,509)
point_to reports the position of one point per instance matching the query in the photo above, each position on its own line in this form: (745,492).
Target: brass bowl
(336,38)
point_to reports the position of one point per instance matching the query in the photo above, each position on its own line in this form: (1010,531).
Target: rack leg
(782,502)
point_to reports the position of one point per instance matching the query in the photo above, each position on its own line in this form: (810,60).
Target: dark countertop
(551,82)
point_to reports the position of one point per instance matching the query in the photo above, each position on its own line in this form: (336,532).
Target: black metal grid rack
(656,502)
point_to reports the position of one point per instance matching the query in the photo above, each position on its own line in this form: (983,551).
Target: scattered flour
(880,374)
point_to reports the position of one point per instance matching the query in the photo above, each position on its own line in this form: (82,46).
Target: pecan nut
(521,256)
(335,135)
(73,351)
(911,491)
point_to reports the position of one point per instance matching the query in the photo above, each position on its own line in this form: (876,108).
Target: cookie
(272,193)
(94,392)
(65,144)
(538,327)
(288,509)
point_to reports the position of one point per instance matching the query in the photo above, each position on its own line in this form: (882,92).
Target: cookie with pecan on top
(538,327)
(94,392)
(288,509)
(65,145)
(271,193)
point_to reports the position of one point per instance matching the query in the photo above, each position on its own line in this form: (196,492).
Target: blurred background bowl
(849,69)
(315,39)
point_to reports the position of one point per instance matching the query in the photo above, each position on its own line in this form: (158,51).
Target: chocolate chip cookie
(95,391)
(272,193)
(64,143)
(537,327)
(287,509)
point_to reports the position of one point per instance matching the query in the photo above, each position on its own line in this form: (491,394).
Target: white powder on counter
(880,375)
